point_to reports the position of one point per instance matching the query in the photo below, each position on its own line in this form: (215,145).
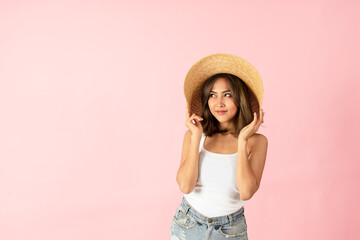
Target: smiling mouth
(221,112)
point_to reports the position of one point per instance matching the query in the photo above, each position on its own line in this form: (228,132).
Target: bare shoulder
(258,140)
(260,137)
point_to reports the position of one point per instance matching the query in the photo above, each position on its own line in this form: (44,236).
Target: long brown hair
(240,93)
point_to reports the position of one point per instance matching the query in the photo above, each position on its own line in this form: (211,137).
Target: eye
(211,94)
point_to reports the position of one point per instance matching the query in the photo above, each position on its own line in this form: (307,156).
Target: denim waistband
(211,220)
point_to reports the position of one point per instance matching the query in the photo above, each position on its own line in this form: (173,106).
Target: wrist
(242,141)
(195,137)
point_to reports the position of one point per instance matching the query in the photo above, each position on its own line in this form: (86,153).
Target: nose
(220,101)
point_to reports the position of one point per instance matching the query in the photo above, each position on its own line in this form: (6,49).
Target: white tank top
(215,193)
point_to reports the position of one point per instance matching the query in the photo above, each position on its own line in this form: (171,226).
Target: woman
(222,157)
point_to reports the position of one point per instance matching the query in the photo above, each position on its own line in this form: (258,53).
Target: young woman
(222,157)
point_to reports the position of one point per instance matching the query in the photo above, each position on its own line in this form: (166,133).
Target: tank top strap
(201,142)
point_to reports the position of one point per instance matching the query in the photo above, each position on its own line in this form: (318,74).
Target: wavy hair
(240,93)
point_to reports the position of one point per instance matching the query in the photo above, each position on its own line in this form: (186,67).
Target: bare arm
(187,174)
(249,171)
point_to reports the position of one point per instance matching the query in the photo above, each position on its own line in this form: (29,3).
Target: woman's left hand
(251,128)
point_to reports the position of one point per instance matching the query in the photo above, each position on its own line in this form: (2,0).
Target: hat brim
(221,63)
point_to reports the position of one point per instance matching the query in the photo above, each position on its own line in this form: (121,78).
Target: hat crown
(221,63)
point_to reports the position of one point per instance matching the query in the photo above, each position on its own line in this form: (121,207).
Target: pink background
(93,114)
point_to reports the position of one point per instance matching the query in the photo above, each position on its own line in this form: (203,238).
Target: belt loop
(230,219)
(186,210)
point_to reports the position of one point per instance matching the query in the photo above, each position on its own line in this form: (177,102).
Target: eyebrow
(223,91)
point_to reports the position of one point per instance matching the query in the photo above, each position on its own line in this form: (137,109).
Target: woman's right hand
(193,123)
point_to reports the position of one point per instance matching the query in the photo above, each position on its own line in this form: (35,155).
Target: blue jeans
(189,224)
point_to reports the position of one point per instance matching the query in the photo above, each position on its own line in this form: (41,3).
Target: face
(220,99)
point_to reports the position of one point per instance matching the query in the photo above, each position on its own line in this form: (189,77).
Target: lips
(221,112)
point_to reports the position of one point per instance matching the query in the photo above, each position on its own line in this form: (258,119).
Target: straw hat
(221,63)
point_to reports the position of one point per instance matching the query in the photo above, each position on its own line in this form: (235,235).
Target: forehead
(220,84)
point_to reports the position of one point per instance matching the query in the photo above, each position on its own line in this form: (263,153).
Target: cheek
(234,109)
(211,104)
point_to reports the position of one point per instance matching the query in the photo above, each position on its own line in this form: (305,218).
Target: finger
(256,126)
(257,122)
(262,116)
(191,117)
(196,117)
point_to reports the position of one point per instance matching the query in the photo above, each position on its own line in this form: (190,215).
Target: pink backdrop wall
(93,112)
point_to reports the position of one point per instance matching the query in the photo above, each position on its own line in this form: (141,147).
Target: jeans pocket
(184,220)
(237,229)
